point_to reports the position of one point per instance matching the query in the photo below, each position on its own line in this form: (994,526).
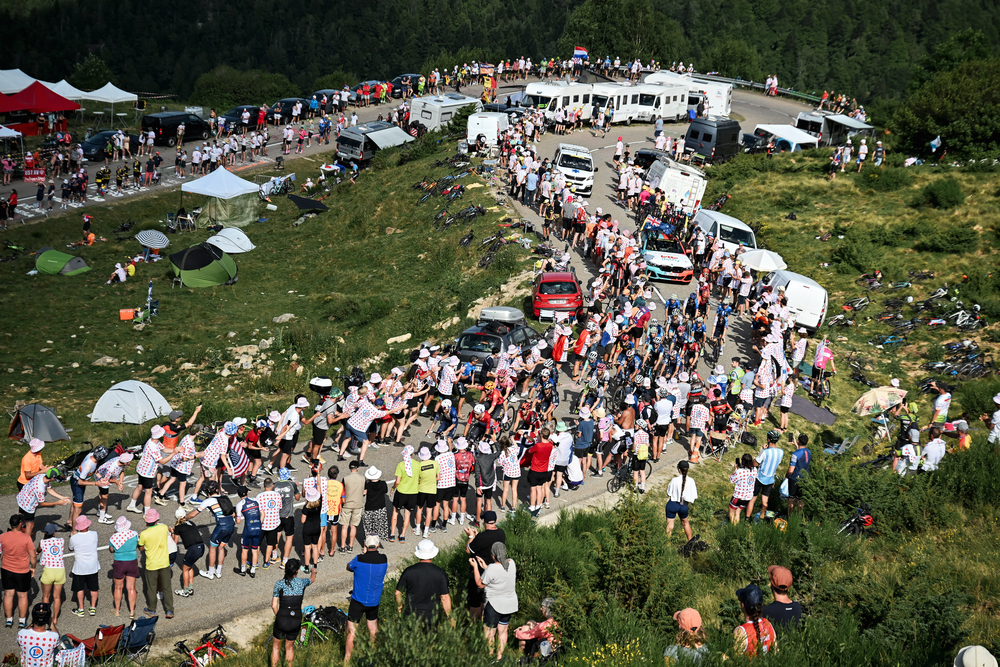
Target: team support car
(666,258)
(556,292)
(498,327)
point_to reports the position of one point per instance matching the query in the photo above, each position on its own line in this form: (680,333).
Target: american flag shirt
(238,458)
(151,454)
(364,415)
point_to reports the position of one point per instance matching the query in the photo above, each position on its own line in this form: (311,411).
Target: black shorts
(147,482)
(86,582)
(426,500)
(271,536)
(567,224)
(486,494)
(356,611)
(16,581)
(579,227)
(286,446)
(175,473)
(737,503)
(461,489)
(580,453)
(759,401)
(288,525)
(794,492)
(318,436)
(763,490)
(660,430)
(194,554)
(405,501)
(445,494)
(536,478)
(310,538)
(28,516)
(103,490)
(412,402)
(784,410)
(253,454)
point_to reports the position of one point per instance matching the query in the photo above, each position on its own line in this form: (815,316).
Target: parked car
(715,140)
(164,126)
(556,292)
(234,116)
(500,107)
(283,107)
(666,258)
(497,327)
(93,147)
(333,96)
(397,84)
(647,156)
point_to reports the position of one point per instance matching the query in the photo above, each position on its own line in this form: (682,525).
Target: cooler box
(126,314)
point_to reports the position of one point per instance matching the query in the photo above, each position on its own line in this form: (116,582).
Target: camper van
(577,166)
(683,186)
(729,231)
(714,139)
(666,100)
(435,111)
(617,99)
(831,129)
(552,95)
(360,142)
(807,300)
(489,124)
(787,139)
(718,96)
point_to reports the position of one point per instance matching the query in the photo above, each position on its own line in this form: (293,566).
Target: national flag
(489,82)
(580,52)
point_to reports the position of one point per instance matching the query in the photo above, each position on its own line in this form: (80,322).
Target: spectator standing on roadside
(424,585)
(798,466)
(862,154)
(31,463)
(369,568)
(153,541)
(354,507)
(18,568)
(767,465)
(124,544)
(86,565)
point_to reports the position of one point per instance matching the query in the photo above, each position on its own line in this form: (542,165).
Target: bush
(956,239)
(970,477)
(942,193)
(884,179)
(335,80)
(224,87)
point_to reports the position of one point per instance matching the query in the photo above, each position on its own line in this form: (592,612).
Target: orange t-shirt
(30,464)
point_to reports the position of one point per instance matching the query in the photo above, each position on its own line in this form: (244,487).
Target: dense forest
(870,48)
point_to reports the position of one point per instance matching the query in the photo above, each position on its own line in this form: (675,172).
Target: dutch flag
(579,52)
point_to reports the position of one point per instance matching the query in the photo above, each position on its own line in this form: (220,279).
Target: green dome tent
(54,263)
(203,265)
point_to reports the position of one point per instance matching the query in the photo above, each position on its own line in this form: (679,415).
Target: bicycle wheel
(649,469)
(186,663)
(508,418)
(614,484)
(229,651)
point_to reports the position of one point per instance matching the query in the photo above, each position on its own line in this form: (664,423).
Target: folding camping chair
(137,640)
(103,646)
(837,450)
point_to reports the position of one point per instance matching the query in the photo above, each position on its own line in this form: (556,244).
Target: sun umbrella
(763,260)
(308,204)
(878,400)
(152,239)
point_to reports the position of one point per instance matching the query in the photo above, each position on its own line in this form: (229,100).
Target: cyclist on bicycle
(721,324)
(546,402)
(479,423)
(698,330)
(673,305)
(447,416)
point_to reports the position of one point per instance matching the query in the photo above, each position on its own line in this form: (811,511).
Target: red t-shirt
(540,454)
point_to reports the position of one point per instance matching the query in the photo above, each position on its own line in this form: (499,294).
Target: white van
(549,96)
(577,166)
(683,185)
(433,112)
(787,138)
(666,100)
(718,96)
(806,298)
(489,124)
(729,231)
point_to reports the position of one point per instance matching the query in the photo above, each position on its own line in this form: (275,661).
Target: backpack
(226,505)
(748,439)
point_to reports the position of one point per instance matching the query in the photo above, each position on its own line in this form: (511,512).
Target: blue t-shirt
(531,182)
(369,571)
(585,433)
(296,586)
(767,464)
(129,550)
(800,461)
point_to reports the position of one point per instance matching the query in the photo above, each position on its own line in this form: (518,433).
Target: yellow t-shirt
(428,476)
(407,484)
(154,541)
(334,497)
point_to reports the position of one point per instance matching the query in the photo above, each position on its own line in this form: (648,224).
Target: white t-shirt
(500,584)
(38,649)
(291,419)
(574,471)
(941,405)
(690,490)
(933,453)
(84,545)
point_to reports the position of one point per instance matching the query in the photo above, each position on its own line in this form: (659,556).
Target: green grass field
(370,269)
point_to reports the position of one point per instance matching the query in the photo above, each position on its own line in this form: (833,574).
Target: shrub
(970,477)
(956,239)
(942,193)
(224,86)
(884,179)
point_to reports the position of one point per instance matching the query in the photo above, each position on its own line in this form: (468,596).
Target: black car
(234,116)
(93,147)
(332,96)
(397,84)
(647,156)
(509,109)
(283,109)
(164,126)
(497,327)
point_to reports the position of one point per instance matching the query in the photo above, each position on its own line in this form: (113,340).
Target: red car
(556,292)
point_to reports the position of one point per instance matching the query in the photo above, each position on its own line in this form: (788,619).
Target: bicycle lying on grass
(213,645)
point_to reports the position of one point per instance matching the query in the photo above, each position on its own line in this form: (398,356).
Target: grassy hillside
(370,269)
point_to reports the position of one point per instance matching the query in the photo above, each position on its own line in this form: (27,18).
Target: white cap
(375,378)
(894,382)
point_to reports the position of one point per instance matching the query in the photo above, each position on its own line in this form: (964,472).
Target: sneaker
(427,531)
(556,494)
(452,520)
(133,508)
(350,548)
(305,569)
(290,468)
(402,539)
(461,520)
(79,612)
(546,504)
(92,611)
(208,574)
(565,487)
(392,538)
(321,559)
(159,500)
(8,624)
(183,592)
(444,527)
(343,550)
(240,572)
(266,565)
(106,519)
(252,573)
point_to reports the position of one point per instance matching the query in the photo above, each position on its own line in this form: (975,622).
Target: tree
(224,87)
(92,73)
(335,80)
(959,106)
(735,58)
(623,28)
(961,47)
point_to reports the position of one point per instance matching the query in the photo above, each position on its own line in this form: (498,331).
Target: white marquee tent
(14,81)
(233,200)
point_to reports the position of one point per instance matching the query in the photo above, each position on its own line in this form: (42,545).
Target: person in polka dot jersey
(38,643)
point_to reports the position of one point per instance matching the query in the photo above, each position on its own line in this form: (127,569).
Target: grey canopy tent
(36,421)
(130,402)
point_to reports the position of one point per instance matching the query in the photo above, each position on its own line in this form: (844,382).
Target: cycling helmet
(773,435)
(489,385)
(480,409)
(591,326)
(548,363)
(630,353)
(700,319)
(658,340)
(54,473)
(593,382)
(653,320)
(545,372)
(601,366)
(100,453)
(641,424)
(673,296)
(592,357)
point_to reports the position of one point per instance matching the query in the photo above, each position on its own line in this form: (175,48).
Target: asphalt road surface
(243,604)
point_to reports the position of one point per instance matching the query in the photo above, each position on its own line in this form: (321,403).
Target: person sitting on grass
(539,636)
(756,634)
(691,642)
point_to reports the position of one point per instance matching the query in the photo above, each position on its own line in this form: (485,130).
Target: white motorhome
(616,98)
(666,100)
(718,96)
(727,230)
(807,299)
(831,129)
(435,111)
(489,124)
(549,96)
(683,185)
